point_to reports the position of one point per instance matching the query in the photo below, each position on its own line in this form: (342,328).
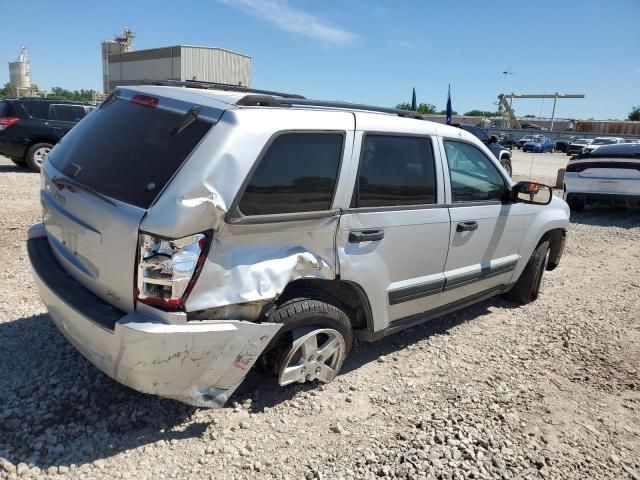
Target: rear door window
(68,113)
(395,170)
(297,173)
(39,110)
(128,151)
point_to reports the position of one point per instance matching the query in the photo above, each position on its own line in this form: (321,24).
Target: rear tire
(318,320)
(35,155)
(527,287)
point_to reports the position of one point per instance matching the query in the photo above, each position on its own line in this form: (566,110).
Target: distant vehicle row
(570,145)
(30,127)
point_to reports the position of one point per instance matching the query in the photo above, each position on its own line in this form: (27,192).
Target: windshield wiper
(62,182)
(189,117)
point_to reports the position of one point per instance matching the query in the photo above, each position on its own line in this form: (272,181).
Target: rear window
(127,151)
(4,108)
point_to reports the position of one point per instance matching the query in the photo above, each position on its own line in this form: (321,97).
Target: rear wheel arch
(348,295)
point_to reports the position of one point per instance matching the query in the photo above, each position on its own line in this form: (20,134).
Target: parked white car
(609,175)
(189,232)
(599,141)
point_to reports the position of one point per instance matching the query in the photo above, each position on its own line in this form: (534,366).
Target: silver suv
(188,233)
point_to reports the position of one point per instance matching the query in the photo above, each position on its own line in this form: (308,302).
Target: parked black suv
(30,127)
(501,152)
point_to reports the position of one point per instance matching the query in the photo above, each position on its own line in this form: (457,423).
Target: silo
(20,74)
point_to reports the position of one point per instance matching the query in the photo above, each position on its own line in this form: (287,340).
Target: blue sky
(364,51)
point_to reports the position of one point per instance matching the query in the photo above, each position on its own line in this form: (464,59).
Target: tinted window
(473,176)
(297,173)
(69,113)
(127,151)
(4,108)
(478,132)
(396,170)
(38,110)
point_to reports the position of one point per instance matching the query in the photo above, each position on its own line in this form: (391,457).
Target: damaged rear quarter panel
(248,263)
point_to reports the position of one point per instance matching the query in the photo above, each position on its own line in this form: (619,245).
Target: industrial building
(122,65)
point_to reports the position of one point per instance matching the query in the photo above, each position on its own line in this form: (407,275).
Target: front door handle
(467,226)
(366,236)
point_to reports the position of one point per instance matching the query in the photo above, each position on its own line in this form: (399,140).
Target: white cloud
(405,44)
(280,14)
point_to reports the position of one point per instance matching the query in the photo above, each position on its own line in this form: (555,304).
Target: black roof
(47,100)
(619,150)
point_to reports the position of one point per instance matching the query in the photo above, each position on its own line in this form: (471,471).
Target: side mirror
(532,192)
(493,139)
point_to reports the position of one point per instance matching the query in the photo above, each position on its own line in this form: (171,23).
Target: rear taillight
(168,269)
(7,122)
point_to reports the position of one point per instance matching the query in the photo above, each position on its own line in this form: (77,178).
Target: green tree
(5,91)
(529,116)
(482,113)
(634,115)
(424,108)
(444,112)
(78,95)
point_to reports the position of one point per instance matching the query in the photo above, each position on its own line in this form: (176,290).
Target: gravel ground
(549,390)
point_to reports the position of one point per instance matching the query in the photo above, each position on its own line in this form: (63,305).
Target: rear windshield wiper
(189,117)
(62,182)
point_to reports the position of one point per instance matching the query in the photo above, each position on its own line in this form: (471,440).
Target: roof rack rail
(221,86)
(261,101)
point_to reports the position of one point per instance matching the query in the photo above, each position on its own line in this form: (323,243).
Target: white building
(179,62)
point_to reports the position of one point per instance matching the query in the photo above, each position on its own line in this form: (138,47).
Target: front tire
(36,155)
(313,342)
(506,163)
(527,287)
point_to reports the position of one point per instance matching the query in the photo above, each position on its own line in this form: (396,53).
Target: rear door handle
(467,226)
(366,236)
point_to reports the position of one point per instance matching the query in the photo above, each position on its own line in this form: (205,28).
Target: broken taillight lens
(168,269)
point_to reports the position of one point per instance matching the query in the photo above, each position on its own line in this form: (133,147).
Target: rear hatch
(104,175)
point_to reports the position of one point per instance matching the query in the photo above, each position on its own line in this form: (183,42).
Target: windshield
(603,141)
(127,151)
(582,141)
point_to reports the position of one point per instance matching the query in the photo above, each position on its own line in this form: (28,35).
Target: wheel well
(33,141)
(557,238)
(348,295)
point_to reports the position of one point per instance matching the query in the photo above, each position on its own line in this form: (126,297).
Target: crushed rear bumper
(198,363)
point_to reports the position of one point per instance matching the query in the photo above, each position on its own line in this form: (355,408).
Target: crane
(511,117)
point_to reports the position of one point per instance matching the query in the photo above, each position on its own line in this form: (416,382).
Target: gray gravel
(550,390)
